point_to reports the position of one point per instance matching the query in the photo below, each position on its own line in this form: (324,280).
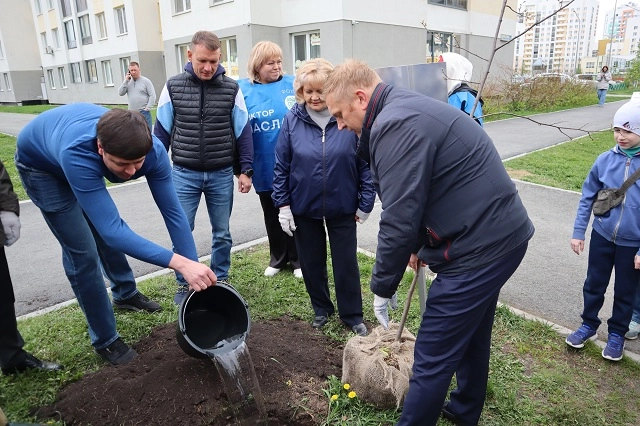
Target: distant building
(558,44)
(621,35)
(79,50)
(20,70)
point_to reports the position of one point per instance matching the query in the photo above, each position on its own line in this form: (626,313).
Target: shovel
(405,313)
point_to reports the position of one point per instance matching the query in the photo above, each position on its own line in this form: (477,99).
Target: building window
(50,4)
(7,83)
(92,72)
(214,2)
(55,34)
(45,42)
(76,74)
(124,66)
(458,4)
(121,20)
(180,6)
(305,46)
(106,73)
(62,77)
(70,34)
(85,30)
(66,8)
(101,23)
(81,5)
(182,56)
(229,59)
(38,7)
(1,87)
(1,51)
(52,80)
(437,44)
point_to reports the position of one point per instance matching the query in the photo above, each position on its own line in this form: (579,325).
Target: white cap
(628,116)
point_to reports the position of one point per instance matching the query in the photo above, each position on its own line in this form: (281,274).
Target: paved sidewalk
(548,284)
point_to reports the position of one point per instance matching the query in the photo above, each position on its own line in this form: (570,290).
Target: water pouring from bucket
(215,323)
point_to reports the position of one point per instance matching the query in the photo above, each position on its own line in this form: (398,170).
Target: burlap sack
(377,367)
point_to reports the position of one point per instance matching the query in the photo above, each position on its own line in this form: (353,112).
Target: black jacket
(444,190)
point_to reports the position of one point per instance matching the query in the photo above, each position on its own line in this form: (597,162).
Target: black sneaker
(117,353)
(319,321)
(137,302)
(360,329)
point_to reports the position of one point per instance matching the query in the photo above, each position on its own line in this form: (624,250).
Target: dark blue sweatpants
(603,257)
(311,241)
(455,337)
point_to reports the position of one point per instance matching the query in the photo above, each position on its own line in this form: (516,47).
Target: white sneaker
(297,273)
(634,330)
(269,272)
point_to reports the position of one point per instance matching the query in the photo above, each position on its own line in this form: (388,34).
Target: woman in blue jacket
(319,181)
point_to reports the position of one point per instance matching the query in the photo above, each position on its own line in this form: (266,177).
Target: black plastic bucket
(212,322)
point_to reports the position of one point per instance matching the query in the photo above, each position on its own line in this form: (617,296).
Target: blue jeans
(217,187)
(602,95)
(147,116)
(85,256)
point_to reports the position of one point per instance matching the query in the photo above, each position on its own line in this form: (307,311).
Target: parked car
(559,78)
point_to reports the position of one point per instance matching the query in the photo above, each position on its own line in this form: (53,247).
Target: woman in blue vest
(269,95)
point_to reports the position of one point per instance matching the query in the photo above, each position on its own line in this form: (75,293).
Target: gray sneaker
(634,330)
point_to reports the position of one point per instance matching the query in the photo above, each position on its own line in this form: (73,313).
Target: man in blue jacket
(447,201)
(203,118)
(63,156)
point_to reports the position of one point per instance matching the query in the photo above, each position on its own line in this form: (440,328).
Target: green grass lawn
(534,379)
(563,166)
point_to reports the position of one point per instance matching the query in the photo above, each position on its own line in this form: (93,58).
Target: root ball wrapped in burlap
(378,367)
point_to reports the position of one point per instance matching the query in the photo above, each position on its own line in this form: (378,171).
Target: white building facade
(377,31)
(79,50)
(560,43)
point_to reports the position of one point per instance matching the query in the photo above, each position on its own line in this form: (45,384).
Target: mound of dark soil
(164,386)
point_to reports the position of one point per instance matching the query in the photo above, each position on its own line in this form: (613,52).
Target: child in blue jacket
(615,237)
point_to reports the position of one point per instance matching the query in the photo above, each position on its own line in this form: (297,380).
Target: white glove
(393,303)
(362,216)
(380,305)
(286,220)
(11,225)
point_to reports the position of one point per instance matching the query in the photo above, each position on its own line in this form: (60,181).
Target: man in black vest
(202,117)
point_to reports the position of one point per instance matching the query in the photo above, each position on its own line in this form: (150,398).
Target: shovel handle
(405,313)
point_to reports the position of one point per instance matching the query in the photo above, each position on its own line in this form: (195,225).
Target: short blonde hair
(313,72)
(260,54)
(349,76)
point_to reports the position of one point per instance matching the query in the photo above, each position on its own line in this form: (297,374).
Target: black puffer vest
(202,136)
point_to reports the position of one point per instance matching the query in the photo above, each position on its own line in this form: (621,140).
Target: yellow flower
(334,397)
(352,394)
(347,386)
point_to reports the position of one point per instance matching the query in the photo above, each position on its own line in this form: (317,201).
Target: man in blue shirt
(63,157)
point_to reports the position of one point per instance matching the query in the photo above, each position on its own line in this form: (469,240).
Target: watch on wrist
(248,172)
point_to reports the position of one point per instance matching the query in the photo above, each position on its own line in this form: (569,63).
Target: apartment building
(80,49)
(560,43)
(20,71)
(621,32)
(377,31)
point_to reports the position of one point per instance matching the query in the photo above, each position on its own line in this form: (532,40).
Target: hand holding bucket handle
(198,275)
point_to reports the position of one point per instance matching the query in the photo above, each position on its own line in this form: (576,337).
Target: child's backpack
(463,98)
